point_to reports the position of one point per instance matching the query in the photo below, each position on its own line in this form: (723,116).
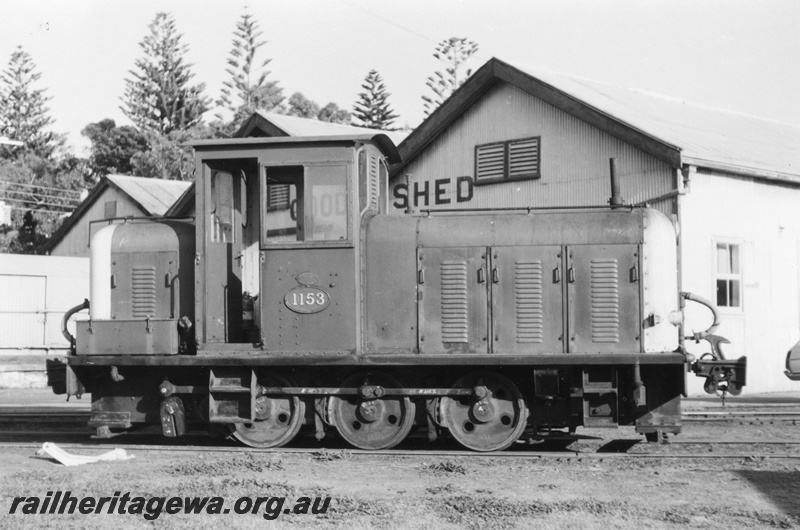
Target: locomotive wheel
(278,417)
(491,419)
(376,423)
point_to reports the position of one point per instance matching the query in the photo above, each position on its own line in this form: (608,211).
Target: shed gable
(572,158)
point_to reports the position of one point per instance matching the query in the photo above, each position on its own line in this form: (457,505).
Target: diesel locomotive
(296,299)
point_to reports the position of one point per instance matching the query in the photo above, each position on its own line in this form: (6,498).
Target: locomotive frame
(297,299)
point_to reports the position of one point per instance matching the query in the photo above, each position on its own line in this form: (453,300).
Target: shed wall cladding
(574,161)
(37,291)
(76,241)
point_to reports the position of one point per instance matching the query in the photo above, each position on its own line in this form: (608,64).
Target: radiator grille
(455,306)
(143,296)
(605,300)
(528,301)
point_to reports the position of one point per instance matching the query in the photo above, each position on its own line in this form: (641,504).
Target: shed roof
(669,128)
(152,196)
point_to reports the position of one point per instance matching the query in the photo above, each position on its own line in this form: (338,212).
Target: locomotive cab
(278,237)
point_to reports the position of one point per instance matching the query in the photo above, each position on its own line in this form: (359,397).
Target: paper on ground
(68,459)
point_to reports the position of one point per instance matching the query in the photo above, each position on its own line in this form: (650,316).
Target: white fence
(35,292)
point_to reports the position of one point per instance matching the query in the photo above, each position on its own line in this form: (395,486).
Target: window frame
(264,242)
(507,161)
(728,277)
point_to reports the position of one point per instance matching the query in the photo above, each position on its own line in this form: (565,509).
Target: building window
(505,161)
(110,210)
(729,275)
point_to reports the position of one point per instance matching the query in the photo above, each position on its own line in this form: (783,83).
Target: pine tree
(159,97)
(453,52)
(24,115)
(247,91)
(372,109)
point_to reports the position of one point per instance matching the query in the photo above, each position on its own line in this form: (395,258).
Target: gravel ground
(424,491)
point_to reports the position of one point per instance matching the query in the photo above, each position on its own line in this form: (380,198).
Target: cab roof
(382,141)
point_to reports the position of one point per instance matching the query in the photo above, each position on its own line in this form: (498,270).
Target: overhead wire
(31,193)
(22,184)
(387,20)
(26,197)
(32,205)
(396,24)
(9,207)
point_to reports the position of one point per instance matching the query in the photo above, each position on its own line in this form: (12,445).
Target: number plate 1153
(307,300)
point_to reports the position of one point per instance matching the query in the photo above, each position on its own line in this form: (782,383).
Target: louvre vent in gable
(490,161)
(510,160)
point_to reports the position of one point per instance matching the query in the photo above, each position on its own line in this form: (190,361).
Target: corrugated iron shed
(706,136)
(668,128)
(152,196)
(155,196)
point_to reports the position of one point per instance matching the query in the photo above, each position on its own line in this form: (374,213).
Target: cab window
(317,204)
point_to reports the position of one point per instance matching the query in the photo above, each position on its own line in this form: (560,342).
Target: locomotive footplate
(235,358)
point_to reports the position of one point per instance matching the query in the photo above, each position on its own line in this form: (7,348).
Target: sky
(732,54)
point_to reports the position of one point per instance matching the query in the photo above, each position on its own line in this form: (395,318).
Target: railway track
(50,416)
(328,455)
(21,427)
(751,417)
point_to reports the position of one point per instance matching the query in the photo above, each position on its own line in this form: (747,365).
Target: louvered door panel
(452,300)
(603,299)
(527,300)
(142,284)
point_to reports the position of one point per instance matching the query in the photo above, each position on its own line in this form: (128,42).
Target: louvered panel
(373,182)
(605,300)
(143,292)
(528,302)
(455,304)
(278,195)
(527,305)
(490,161)
(523,158)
